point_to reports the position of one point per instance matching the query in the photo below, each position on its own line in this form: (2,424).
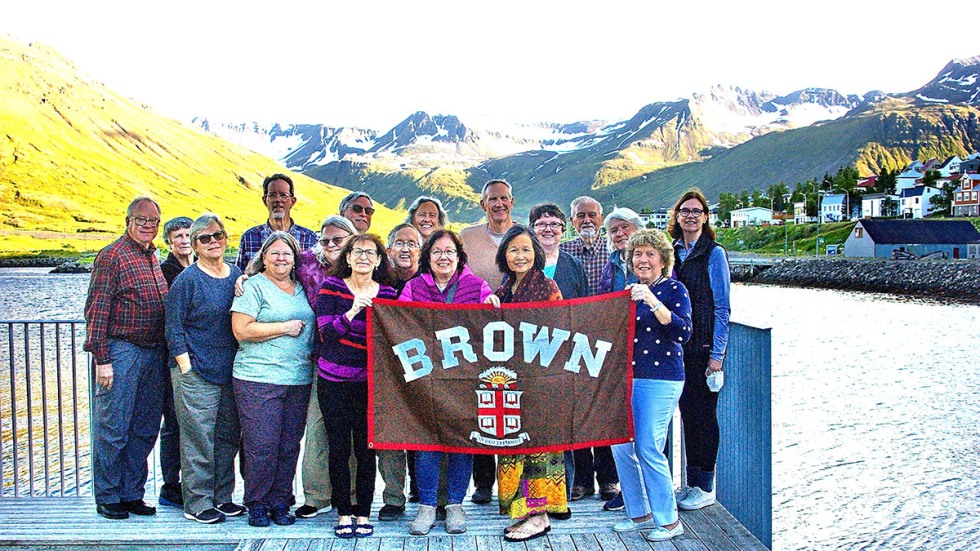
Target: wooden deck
(59,523)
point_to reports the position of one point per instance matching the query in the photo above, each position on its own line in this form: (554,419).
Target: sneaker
(482,496)
(424,521)
(207,516)
(111,511)
(455,519)
(629,525)
(138,507)
(608,491)
(258,516)
(391,512)
(230,509)
(680,494)
(663,534)
(170,499)
(615,504)
(580,492)
(308,511)
(697,499)
(281,516)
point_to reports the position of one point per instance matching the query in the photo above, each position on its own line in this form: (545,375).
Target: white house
(908,179)
(950,166)
(914,203)
(659,218)
(751,216)
(833,208)
(877,205)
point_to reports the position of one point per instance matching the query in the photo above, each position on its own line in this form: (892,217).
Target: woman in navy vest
(701,265)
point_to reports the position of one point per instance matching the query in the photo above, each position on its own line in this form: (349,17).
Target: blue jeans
(427,475)
(126,421)
(644,475)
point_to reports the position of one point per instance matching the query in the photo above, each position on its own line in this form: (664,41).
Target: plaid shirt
(125,298)
(253,238)
(592,259)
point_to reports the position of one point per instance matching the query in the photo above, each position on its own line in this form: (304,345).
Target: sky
(370,63)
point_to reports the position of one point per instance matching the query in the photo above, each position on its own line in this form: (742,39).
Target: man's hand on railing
(103,375)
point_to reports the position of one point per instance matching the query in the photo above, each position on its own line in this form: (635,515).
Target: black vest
(693,273)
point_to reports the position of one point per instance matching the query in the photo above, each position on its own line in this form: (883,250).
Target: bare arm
(246,329)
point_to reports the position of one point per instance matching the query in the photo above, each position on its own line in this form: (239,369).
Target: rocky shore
(946,279)
(60,265)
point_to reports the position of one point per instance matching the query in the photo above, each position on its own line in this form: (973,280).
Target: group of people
(227,355)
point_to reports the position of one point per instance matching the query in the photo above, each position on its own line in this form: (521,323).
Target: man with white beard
(592,250)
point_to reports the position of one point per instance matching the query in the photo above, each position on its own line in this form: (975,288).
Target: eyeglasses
(405,245)
(206,238)
(337,241)
(584,215)
(366,253)
(448,253)
(687,213)
(274,195)
(549,226)
(143,221)
(359,209)
(281,254)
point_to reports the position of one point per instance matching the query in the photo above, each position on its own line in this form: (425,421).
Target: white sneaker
(663,534)
(697,499)
(681,493)
(629,525)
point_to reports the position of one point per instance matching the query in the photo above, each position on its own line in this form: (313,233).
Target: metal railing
(44,417)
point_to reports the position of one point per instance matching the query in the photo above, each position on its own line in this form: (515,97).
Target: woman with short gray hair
(620,224)
(200,339)
(427,215)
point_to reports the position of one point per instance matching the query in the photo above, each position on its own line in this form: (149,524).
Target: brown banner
(523,378)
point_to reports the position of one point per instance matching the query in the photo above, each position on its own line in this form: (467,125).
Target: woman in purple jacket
(445,278)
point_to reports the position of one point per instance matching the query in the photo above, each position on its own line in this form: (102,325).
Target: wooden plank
(706,531)
(634,541)
(321,544)
(250,545)
(610,541)
(367,544)
(392,544)
(274,544)
(585,542)
(416,543)
(440,543)
(488,543)
(560,541)
(297,545)
(739,534)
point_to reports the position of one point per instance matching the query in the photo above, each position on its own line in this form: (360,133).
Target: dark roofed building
(880,238)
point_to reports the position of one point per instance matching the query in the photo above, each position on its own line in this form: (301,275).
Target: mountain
(73,154)
(956,83)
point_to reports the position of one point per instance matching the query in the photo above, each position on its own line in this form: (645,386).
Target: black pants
(699,413)
(169,440)
(596,462)
(344,408)
(484,471)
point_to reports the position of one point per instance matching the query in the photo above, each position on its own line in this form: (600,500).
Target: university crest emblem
(499,409)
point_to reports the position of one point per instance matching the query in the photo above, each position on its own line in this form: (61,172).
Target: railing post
(744,471)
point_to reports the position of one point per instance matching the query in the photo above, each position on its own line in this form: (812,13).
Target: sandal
(345,531)
(364,530)
(521,532)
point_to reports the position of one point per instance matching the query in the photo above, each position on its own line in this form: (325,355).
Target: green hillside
(73,154)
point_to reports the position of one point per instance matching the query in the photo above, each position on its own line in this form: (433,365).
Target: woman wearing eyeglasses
(361,274)
(200,338)
(314,268)
(273,323)
(701,265)
(443,278)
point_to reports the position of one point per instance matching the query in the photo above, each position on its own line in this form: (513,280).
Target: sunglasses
(359,209)
(207,237)
(337,241)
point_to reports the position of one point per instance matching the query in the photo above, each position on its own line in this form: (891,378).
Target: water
(875,401)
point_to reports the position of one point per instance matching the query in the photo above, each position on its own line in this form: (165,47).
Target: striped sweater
(343,342)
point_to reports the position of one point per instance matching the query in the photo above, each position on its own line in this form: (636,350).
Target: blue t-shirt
(283,360)
(199,322)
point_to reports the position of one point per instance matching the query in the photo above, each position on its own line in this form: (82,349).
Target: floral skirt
(531,484)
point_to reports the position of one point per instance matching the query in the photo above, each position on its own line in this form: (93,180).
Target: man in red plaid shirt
(125,325)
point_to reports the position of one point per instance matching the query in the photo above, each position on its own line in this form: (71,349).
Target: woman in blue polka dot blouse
(663,325)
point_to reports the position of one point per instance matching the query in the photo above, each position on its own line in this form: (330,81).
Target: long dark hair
(382,274)
(511,234)
(674,229)
(425,258)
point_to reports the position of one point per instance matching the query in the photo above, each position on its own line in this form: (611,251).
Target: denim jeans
(644,475)
(427,473)
(126,422)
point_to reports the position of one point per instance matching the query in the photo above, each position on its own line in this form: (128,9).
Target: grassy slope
(73,154)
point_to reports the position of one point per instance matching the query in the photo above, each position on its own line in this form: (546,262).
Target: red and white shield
(499,409)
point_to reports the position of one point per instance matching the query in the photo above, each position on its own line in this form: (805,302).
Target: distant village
(911,223)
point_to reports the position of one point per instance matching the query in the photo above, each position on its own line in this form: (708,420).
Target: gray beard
(588,233)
